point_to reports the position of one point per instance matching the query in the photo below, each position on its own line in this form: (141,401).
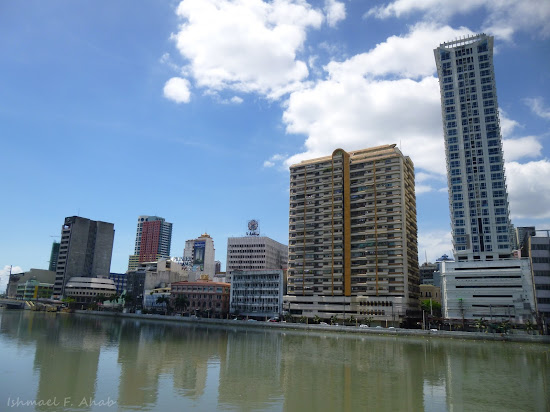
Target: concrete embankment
(524,338)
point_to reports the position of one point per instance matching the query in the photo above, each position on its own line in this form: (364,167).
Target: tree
(530,327)
(70,301)
(164,299)
(181,303)
(480,324)
(316,319)
(429,306)
(368,321)
(128,300)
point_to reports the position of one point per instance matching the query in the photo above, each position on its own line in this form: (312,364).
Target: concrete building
(353,237)
(202,254)
(428,291)
(85,251)
(119,279)
(478,199)
(427,273)
(85,289)
(257,293)
(38,275)
(250,253)
(150,299)
(206,298)
(499,292)
(53,256)
(33,289)
(153,240)
(536,246)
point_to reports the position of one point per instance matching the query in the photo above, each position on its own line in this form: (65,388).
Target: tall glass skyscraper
(478,200)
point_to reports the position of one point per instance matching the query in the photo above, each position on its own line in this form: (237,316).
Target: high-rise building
(153,240)
(53,256)
(353,237)
(478,199)
(85,251)
(255,253)
(201,254)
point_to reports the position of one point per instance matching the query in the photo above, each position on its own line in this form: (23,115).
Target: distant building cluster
(352,252)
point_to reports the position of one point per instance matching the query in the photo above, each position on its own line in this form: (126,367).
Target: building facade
(353,237)
(205,298)
(257,293)
(53,256)
(250,253)
(119,279)
(153,240)
(85,250)
(38,275)
(499,292)
(478,199)
(201,255)
(85,289)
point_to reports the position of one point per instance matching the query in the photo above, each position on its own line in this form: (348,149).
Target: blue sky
(194,110)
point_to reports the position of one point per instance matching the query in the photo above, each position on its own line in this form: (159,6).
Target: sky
(194,110)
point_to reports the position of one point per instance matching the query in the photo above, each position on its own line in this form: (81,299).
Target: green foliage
(480,324)
(316,319)
(435,307)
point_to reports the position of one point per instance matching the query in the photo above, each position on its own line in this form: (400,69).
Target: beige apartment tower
(353,237)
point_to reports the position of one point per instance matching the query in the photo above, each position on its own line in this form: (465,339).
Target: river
(57,362)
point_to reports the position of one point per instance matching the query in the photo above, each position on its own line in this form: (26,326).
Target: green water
(82,362)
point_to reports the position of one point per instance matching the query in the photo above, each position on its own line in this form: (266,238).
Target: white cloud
(273,160)
(335,12)
(177,89)
(536,104)
(5,276)
(529,189)
(357,106)
(246,45)
(236,100)
(420,189)
(435,244)
(507,125)
(505,17)
(515,149)
(406,56)
(268,163)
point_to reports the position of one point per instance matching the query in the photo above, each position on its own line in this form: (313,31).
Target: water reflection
(162,365)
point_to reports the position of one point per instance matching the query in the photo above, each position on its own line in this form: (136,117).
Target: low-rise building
(205,298)
(119,279)
(33,289)
(430,292)
(85,290)
(150,300)
(496,290)
(257,293)
(40,275)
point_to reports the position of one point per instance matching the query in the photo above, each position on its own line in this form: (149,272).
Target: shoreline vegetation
(372,331)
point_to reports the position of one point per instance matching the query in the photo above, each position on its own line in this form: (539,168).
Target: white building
(85,289)
(478,199)
(257,293)
(255,253)
(500,291)
(202,255)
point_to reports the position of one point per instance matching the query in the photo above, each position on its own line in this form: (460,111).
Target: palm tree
(164,299)
(181,303)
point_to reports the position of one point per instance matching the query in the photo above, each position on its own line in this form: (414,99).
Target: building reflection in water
(159,365)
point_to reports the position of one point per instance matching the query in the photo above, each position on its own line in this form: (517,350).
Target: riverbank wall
(510,337)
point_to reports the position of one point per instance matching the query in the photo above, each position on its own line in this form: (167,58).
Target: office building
(38,275)
(257,293)
(85,289)
(255,253)
(85,251)
(353,237)
(153,240)
(427,271)
(501,291)
(478,199)
(536,246)
(201,255)
(119,279)
(53,256)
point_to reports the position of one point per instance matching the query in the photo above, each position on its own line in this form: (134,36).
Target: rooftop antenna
(426,253)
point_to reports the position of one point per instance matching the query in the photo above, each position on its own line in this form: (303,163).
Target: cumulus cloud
(246,45)
(273,160)
(507,125)
(529,189)
(536,104)
(236,100)
(5,276)
(368,101)
(177,89)
(435,244)
(504,17)
(335,11)
(409,56)
(515,149)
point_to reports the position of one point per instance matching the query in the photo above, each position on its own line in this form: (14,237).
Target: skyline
(194,111)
